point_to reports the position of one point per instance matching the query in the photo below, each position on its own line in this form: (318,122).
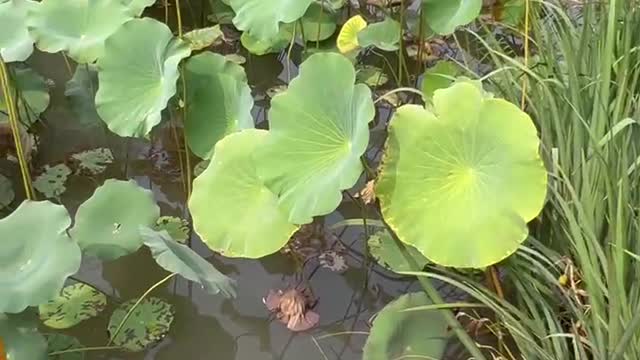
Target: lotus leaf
(6,192)
(318,131)
(317,23)
(136,7)
(200,167)
(21,339)
(177,228)
(439,77)
(180,259)
(348,36)
(203,38)
(15,42)
(262,18)
(35,264)
(398,334)
(384,35)
(388,254)
(80,91)
(107,223)
(332,5)
(236,58)
(222,13)
(60,342)
(135,86)
(371,76)
(51,183)
(220,101)
(76,303)
(34,95)
(273,44)
(78,27)
(148,324)
(252,224)
(94,161)
(444,16)
(461,183)
(510,12)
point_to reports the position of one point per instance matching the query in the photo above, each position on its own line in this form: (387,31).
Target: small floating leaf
(348,36)
(51,183)
(75,304)
(60,342)
(94,161)
(148,324)
(384,35)
(387,253)
(16,43)
(177,228)
(203,38)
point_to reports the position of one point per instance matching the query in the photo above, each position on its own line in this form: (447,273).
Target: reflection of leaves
(148,323)
(51,183)
(75,304)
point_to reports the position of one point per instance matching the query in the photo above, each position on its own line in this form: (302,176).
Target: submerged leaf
(148,324)
(75,304)
(16,43)
(180,259)
(51,183)
(35,92)
(262,18)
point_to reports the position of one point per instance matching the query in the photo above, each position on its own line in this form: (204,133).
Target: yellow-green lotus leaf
(348,36)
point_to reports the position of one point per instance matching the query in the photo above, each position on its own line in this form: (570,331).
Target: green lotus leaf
(15,42)
(136,7)
(387,253)
(221,12)
(79,28)
(76,303)
(35,264)
(135,86)
(51,183)
(460,184)
(200,168)
(180,259)
(80,91)
(6,192)
(236,58)
(318,131)
(274,44)
(34,95)
(384,35)
(94,161)
(371,75)
(20,337)
(444,16)
(148,323)
(317,23)
(332,5)
(252,224)
(219,101)
(262,18)
(509,12)
(203,38)
(60,342)
(177,228)
(439,77)
(399,334)
(107,223)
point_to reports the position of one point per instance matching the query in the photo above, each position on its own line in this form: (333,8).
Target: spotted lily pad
(384,35)
(6,192)
(203,38)
(93,161)
(35,264)
(177,228)
(147,325)
(262,18)
(51,183)
(75,304)
(388,254)
(21,339)
(16,43)
(180,259)
(60,342)
(107,223)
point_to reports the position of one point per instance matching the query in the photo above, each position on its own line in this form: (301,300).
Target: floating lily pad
(36,255)
(262,18)
(180,259)
(107,223)
(348,36)
(440,76)
(80,28)
(93,161)
(396,334)
(384,35)
(388,254)
(176,227)
(148,324)
(319,128)
(371,75)
(252,224)
(80,91)
(6,192)
(20,337)
(317,23)
(51,183)
(60,342)
(34,95)
(274,44)
(444,16)
(15,42)
(220,101)
(75,304)
(460,184)
(135,86)
(203,38)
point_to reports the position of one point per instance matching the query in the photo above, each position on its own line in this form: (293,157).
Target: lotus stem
(527,10)
(403,89)
(179,18)
(320,24)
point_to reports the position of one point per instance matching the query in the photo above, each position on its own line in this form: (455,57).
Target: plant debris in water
(93,162)
(292,307)
(51,183)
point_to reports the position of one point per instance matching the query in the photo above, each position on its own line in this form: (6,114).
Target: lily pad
(348,36)
(177,228)
(319,128)
(76,303)
(397,334)
(371,75)
(180,259)
(136,7)
(135,86)
(444,16)
(6,192)
(317,23)
(34,95)
(461,183)
(439,77)
(384,35)
(94,161)
(21,339)
(220,101)
(80,91)
(148,324)
(274,44)
(107,223)
(221,12)
(15,42)
(203,38)
(80,28)
(60,342)
(51,183)
(252,224)
(35,264)
(262,18)
(386,252)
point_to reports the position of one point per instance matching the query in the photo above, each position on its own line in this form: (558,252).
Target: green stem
(95,348)
(403,89)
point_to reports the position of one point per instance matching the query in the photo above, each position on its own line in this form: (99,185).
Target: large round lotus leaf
(444,16)
(138,76)
(75,304)
(36,255)
(15,42)
(317,23)
(318,131)
(252,224)
(6,192)
(407,335)
(78,27)
(148,323)
(384,35)
(461,184)
(20,337)
(219,101)
(180,259)
(59,343)
(33,90)
(273,44)
(262,18)
(385,250)
(107,223)
(348,37)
